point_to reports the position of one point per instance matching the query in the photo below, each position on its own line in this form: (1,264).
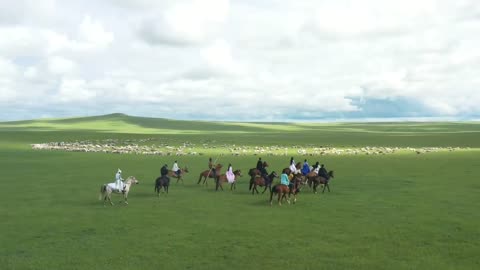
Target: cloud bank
(264,60)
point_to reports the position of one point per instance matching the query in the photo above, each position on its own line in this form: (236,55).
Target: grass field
(398,211)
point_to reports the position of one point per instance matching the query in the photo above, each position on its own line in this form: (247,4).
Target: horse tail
(102,192)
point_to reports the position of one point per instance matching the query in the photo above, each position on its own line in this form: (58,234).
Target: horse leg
(105,199)
(220,184)
(166,189)
(324,186)
(280,195)
(287,199)
(328,187)
(205,181)
(199,179)
(125,197)
(271,197)
(265,189)
(109,196)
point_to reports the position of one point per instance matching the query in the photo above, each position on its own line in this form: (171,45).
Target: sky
(241,60)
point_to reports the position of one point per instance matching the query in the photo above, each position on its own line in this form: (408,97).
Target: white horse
(106,190)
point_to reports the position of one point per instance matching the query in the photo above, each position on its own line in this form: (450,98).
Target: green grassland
(397,211)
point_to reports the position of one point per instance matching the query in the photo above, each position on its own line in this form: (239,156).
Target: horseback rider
(292,167)
(164,171)
(229,174)
(306,168)
(211,166)
(175,168)
(323,172)
(284,179)
(316,168)
(119,181)
(259,164)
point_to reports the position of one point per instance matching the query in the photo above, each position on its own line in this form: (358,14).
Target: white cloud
(94,34)
(8,74)
(60,66)
(31,73)
(219,58)
(19,11)
(185,22)
(74,90)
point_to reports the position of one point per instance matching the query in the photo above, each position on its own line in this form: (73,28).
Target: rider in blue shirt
(306,168)
(284,179)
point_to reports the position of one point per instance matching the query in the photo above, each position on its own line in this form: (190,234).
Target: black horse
(322,180)
(263,182)
(162,181)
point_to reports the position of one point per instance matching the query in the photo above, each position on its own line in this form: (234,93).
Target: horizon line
(289,121)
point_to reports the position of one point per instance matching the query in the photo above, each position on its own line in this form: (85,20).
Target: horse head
(237,173)
(218,166)
(185,169)
(265,164)
(330,174)
(298,166)
(273,175)
(131,180)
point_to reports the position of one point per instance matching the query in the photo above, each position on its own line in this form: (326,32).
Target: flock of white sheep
(139,147)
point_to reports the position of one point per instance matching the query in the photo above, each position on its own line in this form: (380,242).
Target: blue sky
(265,60)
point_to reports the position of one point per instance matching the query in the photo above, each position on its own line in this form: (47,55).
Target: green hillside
(403,134)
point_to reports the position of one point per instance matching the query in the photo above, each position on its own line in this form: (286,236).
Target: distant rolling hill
(118,122)
(337,134)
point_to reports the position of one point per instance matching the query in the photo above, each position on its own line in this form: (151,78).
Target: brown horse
(259,180)
(309,177)
(209,174)
(254,172)
(283,190)
(178,176)
(223,178)
(321,180)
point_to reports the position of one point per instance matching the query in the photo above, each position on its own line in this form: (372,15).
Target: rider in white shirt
(175,168)
(119,181)
(292,167)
